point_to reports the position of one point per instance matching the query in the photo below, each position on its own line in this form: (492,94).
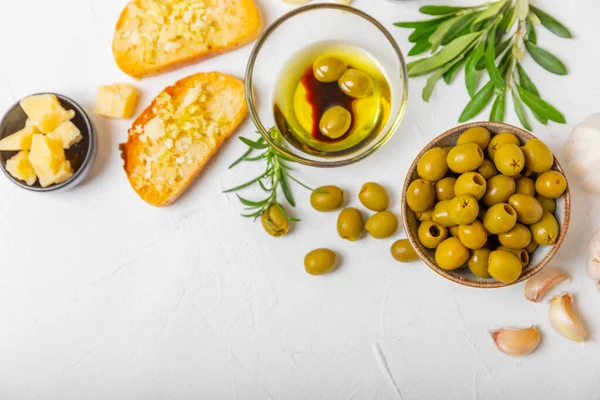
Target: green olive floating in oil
(356,83)
(335,122)
(329,69)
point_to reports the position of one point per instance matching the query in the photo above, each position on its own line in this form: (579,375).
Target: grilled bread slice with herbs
(174,138)
(153,36)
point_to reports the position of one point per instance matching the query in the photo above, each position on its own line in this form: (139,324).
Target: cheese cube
(47,157)
(20,168)
(67,133)
(20,140)
(46,112)
(116,101)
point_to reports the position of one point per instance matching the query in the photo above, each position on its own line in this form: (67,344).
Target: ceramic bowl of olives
(486,205)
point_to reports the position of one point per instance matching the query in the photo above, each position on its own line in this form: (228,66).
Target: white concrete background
(104,297)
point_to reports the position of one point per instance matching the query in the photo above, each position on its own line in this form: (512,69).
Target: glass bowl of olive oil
(331,80)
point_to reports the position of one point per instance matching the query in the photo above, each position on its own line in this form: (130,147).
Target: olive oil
(319,115)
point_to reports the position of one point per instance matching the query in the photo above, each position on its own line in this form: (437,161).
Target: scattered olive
(465,157)
(420,195)
(463,209)
(327,198)
(335,122)
(499,140)
(509,159)
(329,68)
(350,224)
(403,251)
(478,263)
(382,225)
(451,254)
(550,184)
(538,157)
(470,183)
(274,221)
(356,83)
(374,197)
(320,261)
(432,166)
(526,186)
(478,135)
(444,188)
(504,266)
(545,231)
(431,234)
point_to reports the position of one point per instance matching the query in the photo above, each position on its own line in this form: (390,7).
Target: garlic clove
(564,320)
(541,283)
(516,342)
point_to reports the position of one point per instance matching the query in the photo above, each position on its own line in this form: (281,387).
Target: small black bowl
(81,155)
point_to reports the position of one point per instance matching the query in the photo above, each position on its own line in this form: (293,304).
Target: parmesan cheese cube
(46,112)
(47,157)
(116,101)
(20,168)
(67,133)
(20,140)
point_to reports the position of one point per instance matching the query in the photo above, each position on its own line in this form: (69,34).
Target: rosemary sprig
(275,178)
(492,37)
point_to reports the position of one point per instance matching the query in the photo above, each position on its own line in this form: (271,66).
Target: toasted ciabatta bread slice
(174,138)
(153,36)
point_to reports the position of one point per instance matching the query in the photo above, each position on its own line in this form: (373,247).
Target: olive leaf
(460,28)
(540,106)
(490,60)
(530,31)
(508,20)
(520,110)
(499,49)
(422,24)
(440,10)
(470,70)
(478,102)
(446,54)
(419,33)
(436,37)
(491,11)
(497,113)
(550,23)
(420,47)
(525,81)
(545,59)
(450,73)
(435,77)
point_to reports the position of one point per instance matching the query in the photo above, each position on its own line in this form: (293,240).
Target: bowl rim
(253,109)
(88,155)
(497,126)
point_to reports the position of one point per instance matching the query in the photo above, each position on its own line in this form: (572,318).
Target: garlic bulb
(582,151)
(593,261)
(564,320)
(541,283)
(516,342)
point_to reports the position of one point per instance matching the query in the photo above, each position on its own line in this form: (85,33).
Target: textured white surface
(102,296)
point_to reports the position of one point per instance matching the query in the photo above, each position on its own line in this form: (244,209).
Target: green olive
(274,221)
(432,166)
(470,183)
(499,189)
(473,236)
(538,157)
(526,186)
(517,238)
(500,218)
(329,68)
(355,83)
(451,254)
(487,169)
(521,254)
(546,230)
(403,251)
(431,234)
(453,230)
(509,159)
(465,157)
(444,189)
(550,184)
(425,215)
(504,266)
(374,197)
(478,263)
(528,209)
(440,214)
(382,225)
(500,140)
(531,247)
(463,209)
(335,122)
(320,262)
(350,224)
(327,198)
(478,135)
(526,171)
(420,195)
(547,204)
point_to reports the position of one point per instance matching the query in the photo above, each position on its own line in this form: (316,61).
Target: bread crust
(131,151)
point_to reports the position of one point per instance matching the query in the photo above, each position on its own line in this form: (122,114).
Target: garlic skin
(593,260)
(564,320)
(582,152)
(516,342)
(542,282)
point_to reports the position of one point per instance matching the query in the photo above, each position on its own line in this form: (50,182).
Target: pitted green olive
(528,209)
(499,140)
(547,204)
(473,236)
(470,183)
(327,198)
(444,188)
(500,218)
(320,262)
(432,165)
(382,225)
(463,209)
(504,266)
(431,234)
(478,135)
(499,189)
(403,251)
(478,263)
(451,254)
(374,197)
(465,157)
(538,157)
(335,122)
(487,169)
(274,222)
(509,159)
(517,238)
(546,230)
(329,68)
(350,224)
(420,195)
(526,186)
(550,184)
(425,215)
(440,214)
(356,83)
